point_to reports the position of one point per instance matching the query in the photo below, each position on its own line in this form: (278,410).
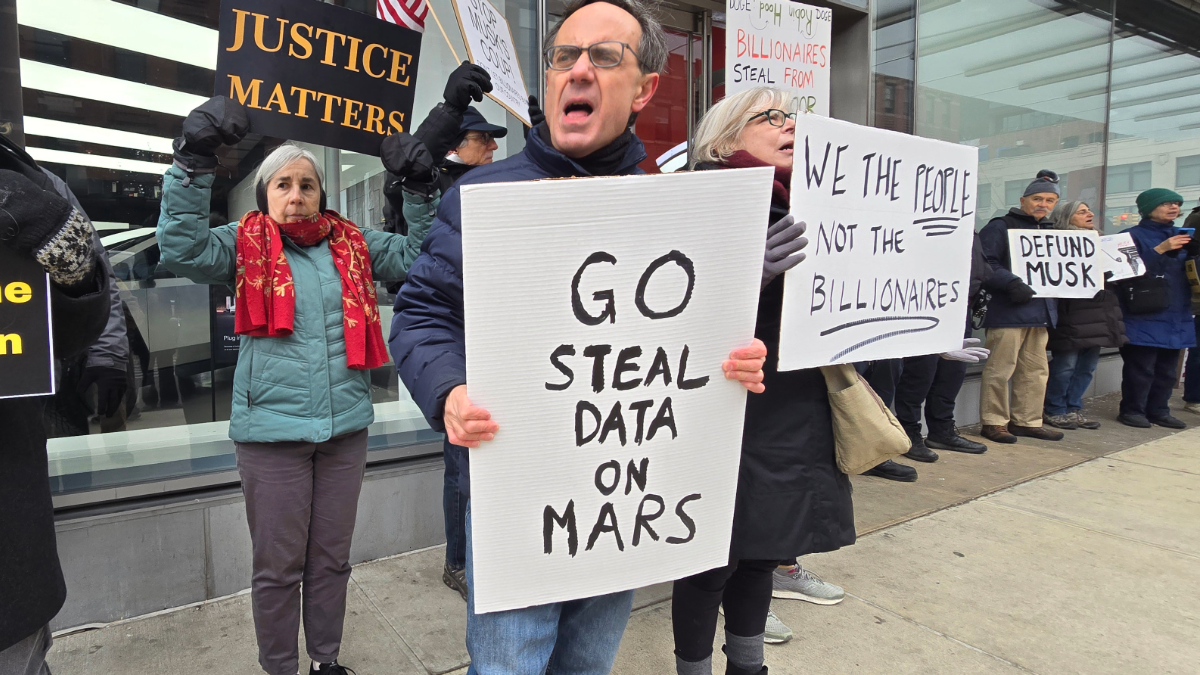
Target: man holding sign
(605,59)
(1017,324)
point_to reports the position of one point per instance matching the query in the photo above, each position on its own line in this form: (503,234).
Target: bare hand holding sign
(890,220)
(609,370)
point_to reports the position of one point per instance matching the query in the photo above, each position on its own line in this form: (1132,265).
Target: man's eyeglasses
(602,54)
(485,137)
(775,117)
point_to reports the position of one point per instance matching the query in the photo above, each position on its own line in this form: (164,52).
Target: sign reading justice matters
(595,338)
(890,221)
(26,342)
(318,73)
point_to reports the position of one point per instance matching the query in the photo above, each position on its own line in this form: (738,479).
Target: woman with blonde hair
(791,498)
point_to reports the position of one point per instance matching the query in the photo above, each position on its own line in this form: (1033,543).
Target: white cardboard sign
(890,221)
(598,314)
(490,45)
(1057,263)
(1120,256)
(779,43)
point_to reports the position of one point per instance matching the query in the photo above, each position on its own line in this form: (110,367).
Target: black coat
(31,582)
(1002,312)
(1088,322)
(791,498)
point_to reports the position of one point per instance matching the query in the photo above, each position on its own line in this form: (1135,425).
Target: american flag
(407,13)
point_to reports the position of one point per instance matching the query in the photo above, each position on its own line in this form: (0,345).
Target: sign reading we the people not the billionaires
(890,221)
(314,72)
(779,43)
(595,338)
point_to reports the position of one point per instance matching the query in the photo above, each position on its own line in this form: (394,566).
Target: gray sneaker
(777,631)
(797,583)
(1064,421)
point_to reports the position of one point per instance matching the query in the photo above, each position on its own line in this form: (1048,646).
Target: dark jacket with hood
(32,589)
(427,339)
(792,499)
(1084,323)
(1002,311)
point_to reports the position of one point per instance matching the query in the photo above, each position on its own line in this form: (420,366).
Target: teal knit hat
(1154,197)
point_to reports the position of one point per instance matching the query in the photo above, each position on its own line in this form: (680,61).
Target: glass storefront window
(101,102)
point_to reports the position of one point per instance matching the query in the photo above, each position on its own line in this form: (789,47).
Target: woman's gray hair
(719,133)
(281,157)
(1061,215)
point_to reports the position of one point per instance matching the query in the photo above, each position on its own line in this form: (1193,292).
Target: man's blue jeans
(579,637)
(1070,375)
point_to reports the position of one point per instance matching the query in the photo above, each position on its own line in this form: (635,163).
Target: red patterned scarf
(266,293)
(780,191)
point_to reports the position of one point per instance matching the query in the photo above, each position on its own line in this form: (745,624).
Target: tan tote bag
(865,432)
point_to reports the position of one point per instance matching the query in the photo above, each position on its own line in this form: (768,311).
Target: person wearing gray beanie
(1017,325)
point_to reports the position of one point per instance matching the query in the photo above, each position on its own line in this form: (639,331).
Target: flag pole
(438,21)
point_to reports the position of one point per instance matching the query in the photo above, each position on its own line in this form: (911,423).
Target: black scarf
(604,162)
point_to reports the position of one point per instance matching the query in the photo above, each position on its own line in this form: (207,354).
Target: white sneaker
(1193,408)
(797,583)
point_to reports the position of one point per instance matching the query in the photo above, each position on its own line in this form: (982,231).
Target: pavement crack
(1154,466)
(939,633)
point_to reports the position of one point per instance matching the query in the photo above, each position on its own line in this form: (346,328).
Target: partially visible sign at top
(778,43)
(313,72)
(490,45)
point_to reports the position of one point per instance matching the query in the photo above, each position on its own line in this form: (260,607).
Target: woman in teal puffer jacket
(303,277)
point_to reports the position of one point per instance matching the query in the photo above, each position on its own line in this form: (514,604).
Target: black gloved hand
(1019,292)
(536,116)
(783,240)
(111,385)
(1192,248)
(216,122)
(40,224)
(407,157)
(468,82)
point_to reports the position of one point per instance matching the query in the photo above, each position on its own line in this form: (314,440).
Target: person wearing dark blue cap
(453,139)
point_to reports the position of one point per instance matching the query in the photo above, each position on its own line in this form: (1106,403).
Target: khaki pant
(1019,355)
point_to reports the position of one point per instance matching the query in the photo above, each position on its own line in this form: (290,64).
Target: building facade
(150,514)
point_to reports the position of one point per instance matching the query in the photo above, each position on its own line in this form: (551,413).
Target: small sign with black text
(1058,263)
(26,339)
(313,72)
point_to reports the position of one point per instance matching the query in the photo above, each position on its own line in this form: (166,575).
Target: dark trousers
(454,506)
(1147,377)
(743,586)
(1191,376)
(301,503)
(883,376)
(933,382)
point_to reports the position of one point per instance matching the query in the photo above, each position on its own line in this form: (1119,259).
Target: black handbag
(1147,294)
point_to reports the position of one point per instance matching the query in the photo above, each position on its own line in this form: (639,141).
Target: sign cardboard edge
(471,57)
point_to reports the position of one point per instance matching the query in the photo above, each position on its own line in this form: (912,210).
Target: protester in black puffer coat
(1085,326)
(40,225)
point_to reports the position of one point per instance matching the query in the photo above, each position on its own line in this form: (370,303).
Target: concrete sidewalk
(1008,562)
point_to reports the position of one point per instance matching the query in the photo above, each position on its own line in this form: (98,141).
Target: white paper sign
(598,314)
(1119,255)
(490,45)
(1057,263)
(890,220)
(779,43)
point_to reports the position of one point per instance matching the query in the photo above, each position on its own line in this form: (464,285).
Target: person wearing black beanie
(1017,325)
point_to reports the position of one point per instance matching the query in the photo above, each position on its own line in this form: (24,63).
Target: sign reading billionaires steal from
(314,72)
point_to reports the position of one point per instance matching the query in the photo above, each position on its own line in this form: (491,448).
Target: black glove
(216,122)
(536,116)
(468,82)
(111,385)
(1019,292)
(783,240)
(407,157)
(1192,248)
(40,224)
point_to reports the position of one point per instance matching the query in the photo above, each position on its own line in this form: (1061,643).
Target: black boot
(893,471)
(919,451)
(731,669)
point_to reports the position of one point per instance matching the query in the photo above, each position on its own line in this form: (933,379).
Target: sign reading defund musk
(890,220)
(598,312)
